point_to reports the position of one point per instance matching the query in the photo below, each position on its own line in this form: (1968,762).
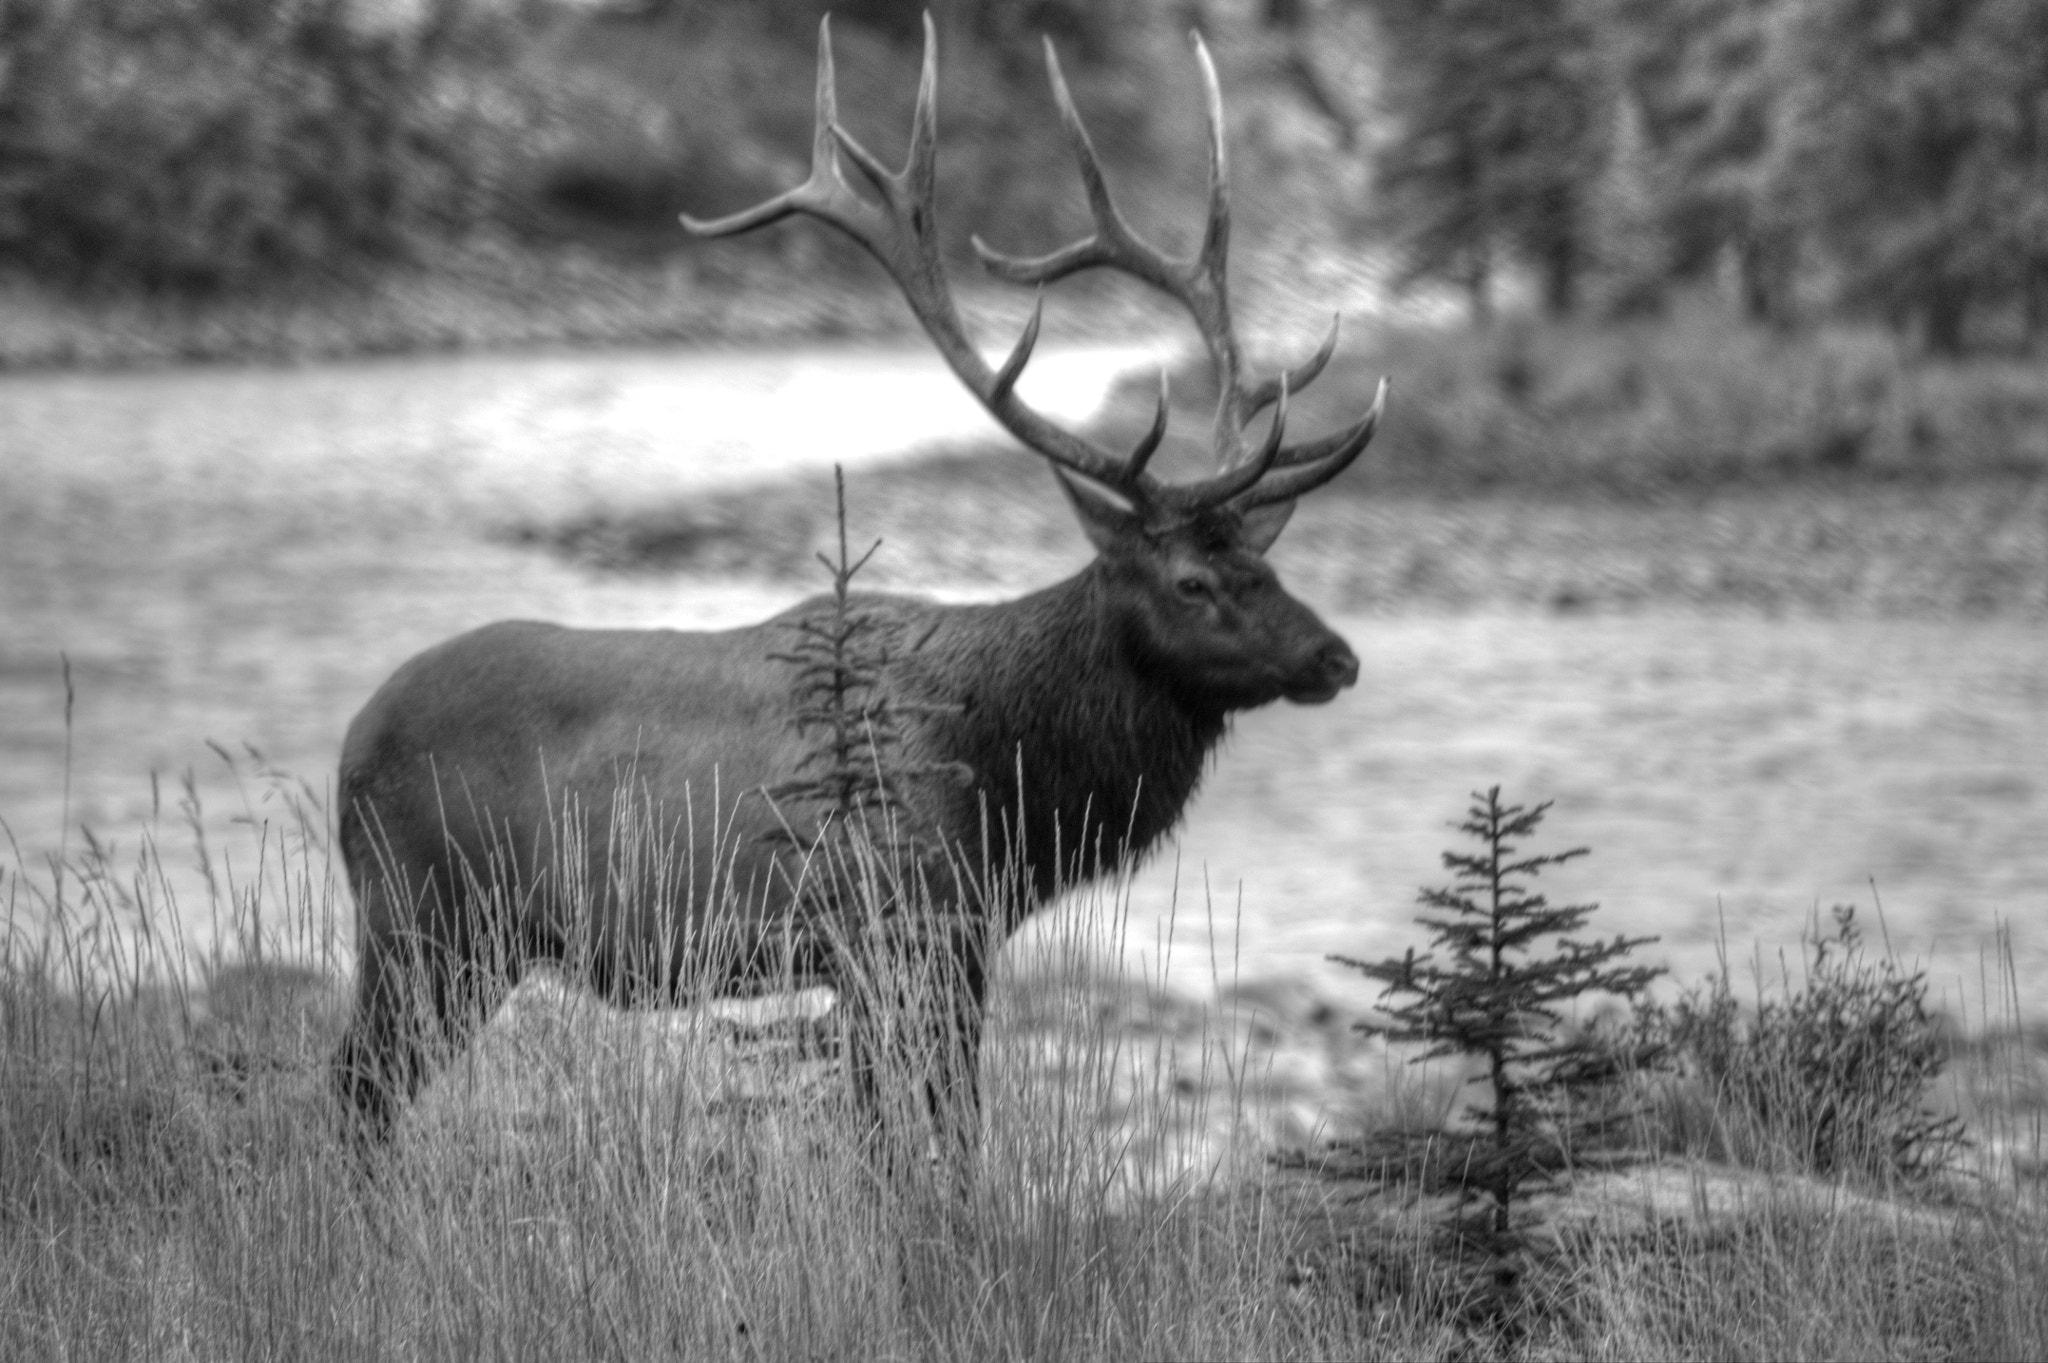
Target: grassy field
(637,1185)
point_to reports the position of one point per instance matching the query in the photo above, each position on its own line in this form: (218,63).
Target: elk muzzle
(1330,668)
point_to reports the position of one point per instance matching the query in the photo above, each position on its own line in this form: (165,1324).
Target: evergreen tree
(865,910)
(1628,252)
(1918,158)
(1500,122)
(854,777)
(1498,998)
(1712,80)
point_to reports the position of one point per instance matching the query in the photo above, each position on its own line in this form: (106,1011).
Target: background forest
(1816,160)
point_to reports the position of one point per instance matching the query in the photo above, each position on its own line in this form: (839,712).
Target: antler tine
(1260,396)
(1271,449)
(1141,453)
(1020,354)
(1208,276)
(1313,465)
(1216,232)
(1239,478)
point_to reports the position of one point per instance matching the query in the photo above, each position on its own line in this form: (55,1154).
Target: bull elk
(527,793)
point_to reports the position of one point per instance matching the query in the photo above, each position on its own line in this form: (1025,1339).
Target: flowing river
(238,556)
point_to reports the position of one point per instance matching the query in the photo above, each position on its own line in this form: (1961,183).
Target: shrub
(1832,1074)
(1696,397)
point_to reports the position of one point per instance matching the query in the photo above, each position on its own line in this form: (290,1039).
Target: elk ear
(1263,524)
(1104,518)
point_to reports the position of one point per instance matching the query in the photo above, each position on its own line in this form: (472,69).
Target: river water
(241,555)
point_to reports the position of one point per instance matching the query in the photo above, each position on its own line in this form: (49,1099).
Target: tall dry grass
(586,1182)
(583,1182)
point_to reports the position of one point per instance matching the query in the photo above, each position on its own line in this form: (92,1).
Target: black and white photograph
(1023,679)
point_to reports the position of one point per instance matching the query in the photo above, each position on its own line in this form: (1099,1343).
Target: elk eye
(1193,589)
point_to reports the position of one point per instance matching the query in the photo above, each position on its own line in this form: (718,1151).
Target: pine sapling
(867,906)
(1498,995)
(854,777)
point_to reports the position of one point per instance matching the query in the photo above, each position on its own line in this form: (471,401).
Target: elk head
(1191,593)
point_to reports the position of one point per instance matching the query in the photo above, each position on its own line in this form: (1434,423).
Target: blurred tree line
(201,147)
(195,145)
(211,147)
(1818,157)
(1881,158)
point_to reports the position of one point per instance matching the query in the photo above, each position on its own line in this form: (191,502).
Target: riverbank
(1834,545)
(486,302)
(512,298)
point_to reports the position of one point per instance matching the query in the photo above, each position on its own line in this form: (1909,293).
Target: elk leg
(914,1017)
(380,1063)
(418,1003)
(862,1005)
(953,1091)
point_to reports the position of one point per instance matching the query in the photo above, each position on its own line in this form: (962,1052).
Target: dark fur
(526,792)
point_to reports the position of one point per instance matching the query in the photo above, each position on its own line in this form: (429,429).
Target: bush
(1694,398)
(206,145)
(1832,1075)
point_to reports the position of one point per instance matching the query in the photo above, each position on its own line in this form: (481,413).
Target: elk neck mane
(1054,713)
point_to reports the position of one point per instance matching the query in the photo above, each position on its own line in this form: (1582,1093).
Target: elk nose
(1339,663)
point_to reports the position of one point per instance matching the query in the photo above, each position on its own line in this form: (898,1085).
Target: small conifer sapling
(853,777)
(1510,966)
(866,904)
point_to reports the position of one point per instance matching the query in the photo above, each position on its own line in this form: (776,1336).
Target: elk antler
(900,230)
